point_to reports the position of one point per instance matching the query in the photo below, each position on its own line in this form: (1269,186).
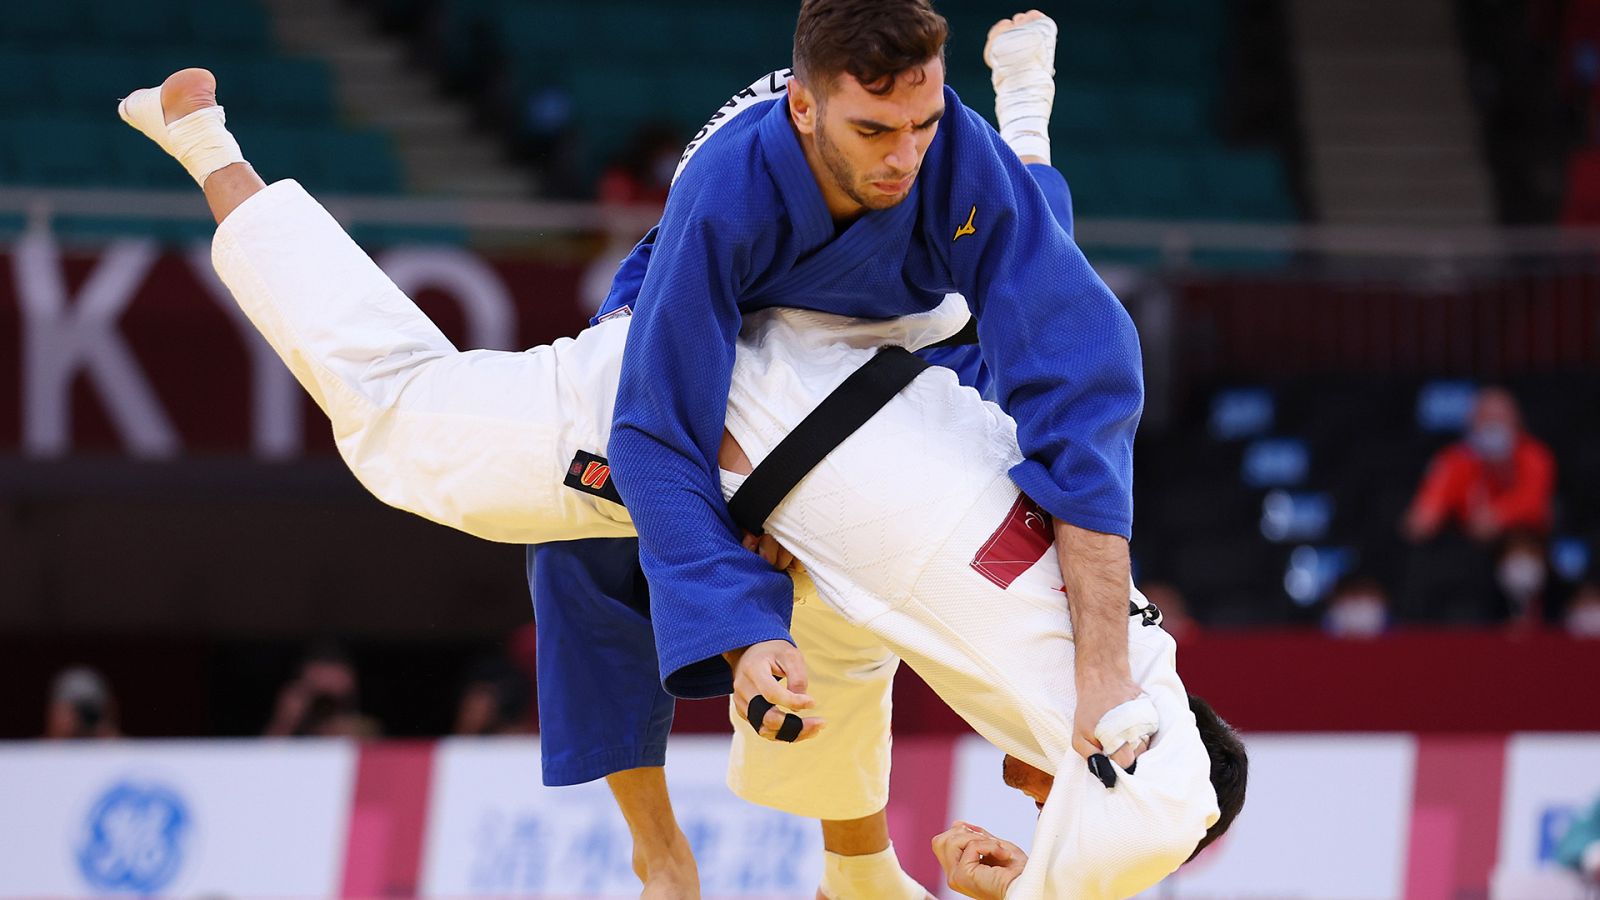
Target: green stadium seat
(146,23)
(278,152)
(290,90)
(1095,53)
(1164,114)
(1155,183)
(24,82)
(1093,192)
(235,25)
(357,162)
(974,91)
(35,25)
(1084,111)
(1121,14)
(12,225)
(1203,17)
(1249,184)
(1177,56)
(62,152)
(89,83)
(693,94)
(762,39)
(140,163)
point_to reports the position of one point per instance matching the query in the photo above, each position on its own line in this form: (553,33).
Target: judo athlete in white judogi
(910,529)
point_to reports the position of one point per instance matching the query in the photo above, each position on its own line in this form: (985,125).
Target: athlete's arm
(1065,361)
(709,595)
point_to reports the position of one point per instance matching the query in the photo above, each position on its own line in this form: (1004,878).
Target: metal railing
(1176,242)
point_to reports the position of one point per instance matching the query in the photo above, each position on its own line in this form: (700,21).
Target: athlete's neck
(841,207)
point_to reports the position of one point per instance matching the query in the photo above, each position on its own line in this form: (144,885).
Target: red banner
(129,350)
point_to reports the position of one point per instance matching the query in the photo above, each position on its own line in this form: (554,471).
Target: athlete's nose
(903,157)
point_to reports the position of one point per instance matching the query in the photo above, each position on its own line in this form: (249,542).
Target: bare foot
(671,877)
(185,91)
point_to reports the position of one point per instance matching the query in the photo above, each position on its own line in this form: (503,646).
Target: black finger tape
(1100,766)
(757,711)
(790,729)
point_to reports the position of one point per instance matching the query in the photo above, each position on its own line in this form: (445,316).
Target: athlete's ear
(803,107)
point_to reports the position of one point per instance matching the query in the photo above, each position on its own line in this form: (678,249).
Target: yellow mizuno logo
(967,228)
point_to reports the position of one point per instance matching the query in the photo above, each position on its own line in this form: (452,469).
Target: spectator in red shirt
(1498,479)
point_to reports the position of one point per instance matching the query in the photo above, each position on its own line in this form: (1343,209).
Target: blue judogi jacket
(745,228)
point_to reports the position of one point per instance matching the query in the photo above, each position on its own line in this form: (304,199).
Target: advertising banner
(495,830)
(223,818)
(1307,794)
(1550,780)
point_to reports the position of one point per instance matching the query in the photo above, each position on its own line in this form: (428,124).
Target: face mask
(1521,576)
(1492,442)
(1356,617)
(1584,621)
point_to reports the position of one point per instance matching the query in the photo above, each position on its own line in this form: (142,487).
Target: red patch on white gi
(1022,538)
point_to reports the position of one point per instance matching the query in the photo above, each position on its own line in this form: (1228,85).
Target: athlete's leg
(661,855)
(478,441)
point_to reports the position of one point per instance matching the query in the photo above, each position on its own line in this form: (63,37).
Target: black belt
(837,417)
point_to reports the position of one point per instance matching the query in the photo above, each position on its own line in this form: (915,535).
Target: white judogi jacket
(898,527)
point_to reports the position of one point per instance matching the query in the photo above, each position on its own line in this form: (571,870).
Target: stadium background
(1333,222)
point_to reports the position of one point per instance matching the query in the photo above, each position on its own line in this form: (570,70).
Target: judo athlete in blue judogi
(602,707)
(888,261)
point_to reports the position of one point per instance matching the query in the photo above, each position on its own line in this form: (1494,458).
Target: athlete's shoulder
(732,131)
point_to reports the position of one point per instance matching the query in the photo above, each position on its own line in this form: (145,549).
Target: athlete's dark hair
(1230,767)
(874,41)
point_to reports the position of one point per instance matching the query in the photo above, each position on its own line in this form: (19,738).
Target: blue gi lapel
(822,257)
(802,199)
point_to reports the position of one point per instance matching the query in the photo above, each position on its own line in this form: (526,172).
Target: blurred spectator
(322,700)
(497,699)
(1495,482)
(1175,616)
(1498,479)
(642,174)
(81,706)
(1522,574)
(639,177)
(1583,611)
(1358,607)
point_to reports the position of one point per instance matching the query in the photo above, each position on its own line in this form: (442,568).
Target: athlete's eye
(871,134)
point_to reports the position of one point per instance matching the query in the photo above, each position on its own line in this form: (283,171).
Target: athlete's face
(871,147)
(1025,778)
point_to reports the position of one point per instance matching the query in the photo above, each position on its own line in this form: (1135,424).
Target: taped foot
(877,876)
(183,118)
(1021,58)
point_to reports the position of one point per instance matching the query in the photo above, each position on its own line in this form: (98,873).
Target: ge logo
(135,839)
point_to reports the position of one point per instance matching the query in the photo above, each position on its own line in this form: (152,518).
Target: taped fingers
(790,730)
(756,713)
(774,724)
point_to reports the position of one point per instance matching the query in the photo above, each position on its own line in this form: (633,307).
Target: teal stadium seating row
(1134,124)
(94,152)
(65,63)
(89,82)
(140,23)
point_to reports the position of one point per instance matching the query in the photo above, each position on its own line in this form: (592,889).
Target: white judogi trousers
(910,529)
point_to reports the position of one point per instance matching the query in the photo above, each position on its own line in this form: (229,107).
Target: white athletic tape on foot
(1022,61)
(1127,724)
(199,140)
(876,875)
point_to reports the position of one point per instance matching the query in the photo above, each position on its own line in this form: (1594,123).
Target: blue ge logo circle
(135,838)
